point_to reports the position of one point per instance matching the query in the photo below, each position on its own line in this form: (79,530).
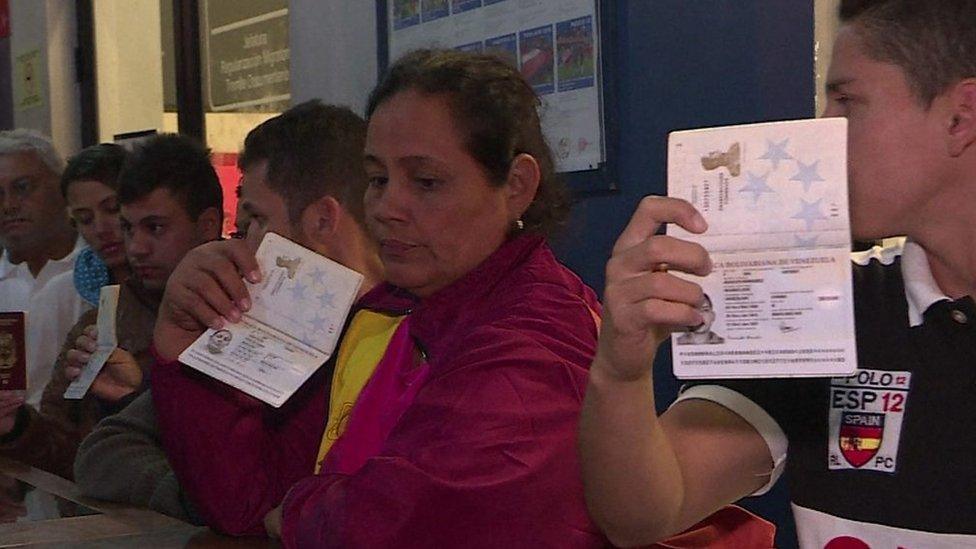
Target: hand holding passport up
(293,326)
(779,300)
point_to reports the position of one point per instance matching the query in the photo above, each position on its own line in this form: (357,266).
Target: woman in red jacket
(465,433)
(467,424)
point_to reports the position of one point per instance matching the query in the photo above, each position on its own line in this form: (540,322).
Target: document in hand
(13,355)
(108,304)
(297,313)
(779,300)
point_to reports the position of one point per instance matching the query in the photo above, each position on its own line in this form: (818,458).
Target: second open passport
(292,328)
(779,301)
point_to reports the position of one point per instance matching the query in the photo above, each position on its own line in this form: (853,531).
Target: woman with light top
(90,185)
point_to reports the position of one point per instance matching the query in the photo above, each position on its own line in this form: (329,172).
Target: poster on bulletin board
(554,43)
(29,83)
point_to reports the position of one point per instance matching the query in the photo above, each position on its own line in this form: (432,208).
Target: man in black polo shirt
(883,458)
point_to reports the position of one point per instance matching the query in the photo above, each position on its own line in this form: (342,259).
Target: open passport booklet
(297,314)
(779,300)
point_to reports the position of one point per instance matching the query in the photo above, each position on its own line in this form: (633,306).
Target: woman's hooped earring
(519,224)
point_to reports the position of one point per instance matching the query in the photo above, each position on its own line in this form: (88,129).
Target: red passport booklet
(13,356)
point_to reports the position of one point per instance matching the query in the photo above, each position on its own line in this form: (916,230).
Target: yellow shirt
(361,350)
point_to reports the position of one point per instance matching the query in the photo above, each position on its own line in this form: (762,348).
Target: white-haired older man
(38,243)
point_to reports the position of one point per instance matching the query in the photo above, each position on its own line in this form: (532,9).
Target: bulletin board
(560,46)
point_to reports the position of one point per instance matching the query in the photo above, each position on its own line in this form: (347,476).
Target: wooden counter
(112,525)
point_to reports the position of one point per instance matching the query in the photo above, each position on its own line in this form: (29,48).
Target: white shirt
(50,313)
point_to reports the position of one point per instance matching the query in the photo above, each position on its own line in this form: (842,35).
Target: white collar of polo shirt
(921,289)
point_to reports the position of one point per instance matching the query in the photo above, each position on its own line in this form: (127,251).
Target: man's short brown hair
(313,150)
(933,41)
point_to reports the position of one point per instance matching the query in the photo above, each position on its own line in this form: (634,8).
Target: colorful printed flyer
(505,47)
(474,47)
(461,6)
(554,43)
(779,301)
(406,13)
(536,59)
(576,62)
(433,9)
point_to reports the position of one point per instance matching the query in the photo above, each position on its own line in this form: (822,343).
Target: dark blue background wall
(684,64)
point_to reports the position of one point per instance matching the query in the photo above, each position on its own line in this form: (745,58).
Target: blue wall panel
(685,64)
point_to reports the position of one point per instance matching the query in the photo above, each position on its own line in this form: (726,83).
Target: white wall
(129,66)
(128,61)
(49,26)
(333,51)
(333,57)
(65,91)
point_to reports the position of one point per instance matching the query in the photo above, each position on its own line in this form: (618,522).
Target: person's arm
(647,478)
(485,454)
(123,460)
(48,439)
(234,456)
(118,383)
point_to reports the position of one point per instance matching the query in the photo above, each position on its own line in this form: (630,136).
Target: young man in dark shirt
(879,459)
(303,179)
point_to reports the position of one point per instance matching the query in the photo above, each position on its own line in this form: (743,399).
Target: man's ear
(962,126)
(208,224)
(524,176)
(319,221)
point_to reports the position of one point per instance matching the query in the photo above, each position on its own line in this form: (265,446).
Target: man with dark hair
(879,459)
(170,198)
(306,166)
(170,203)
(302,170)
(303,179)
